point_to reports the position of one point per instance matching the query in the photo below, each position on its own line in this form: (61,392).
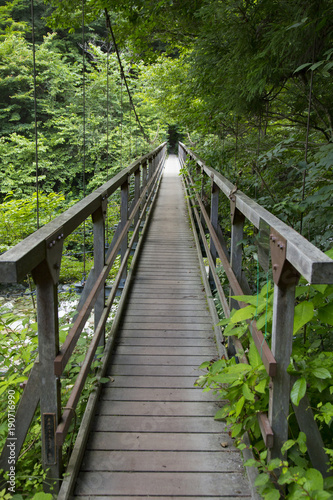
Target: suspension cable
(83,138)
(107,126)
(35,109)
(107,109)
(108,23)
(121,121)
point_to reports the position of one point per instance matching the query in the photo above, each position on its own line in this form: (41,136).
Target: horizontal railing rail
(41,254)
(291,256)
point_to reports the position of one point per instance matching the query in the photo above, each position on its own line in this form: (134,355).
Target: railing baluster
(282,337)
(50,389)
(98,218)
(214,213)
(150,167)
(137,180)
(124,218)
(236,250)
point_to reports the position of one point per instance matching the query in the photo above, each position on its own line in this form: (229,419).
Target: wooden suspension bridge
(149,432)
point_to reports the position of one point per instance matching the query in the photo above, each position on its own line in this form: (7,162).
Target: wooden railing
(41,254)
(291,256)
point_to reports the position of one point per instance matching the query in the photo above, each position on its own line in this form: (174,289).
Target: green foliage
(19,348)
(245,387)
(292,479)
(240,384)
(18,217)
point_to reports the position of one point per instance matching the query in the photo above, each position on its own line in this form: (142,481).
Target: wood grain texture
(154,433)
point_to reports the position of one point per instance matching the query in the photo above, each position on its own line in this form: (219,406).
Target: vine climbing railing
(41,254)
(291,256)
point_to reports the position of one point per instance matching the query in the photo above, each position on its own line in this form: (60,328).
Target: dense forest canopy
(247,84)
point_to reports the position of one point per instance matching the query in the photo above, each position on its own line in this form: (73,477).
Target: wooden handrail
(40,254)
(291,254)
(309,261)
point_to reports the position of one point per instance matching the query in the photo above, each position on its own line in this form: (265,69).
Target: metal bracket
(54,245)
(283,272)
(104,198)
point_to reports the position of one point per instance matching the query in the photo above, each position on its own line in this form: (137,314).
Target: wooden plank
(157,441)
(154,370)
(149,381)
(130,359)
(179,321)
(198,334)
(163,309)
(167,342)
(190,302)
(167,326)
(165,351)
(162,424)
(147,484)
(171,408)
(166,296)
(171,288)
(160,394)
(161,461)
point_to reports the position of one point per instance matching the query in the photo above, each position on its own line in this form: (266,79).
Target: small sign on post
(49,438)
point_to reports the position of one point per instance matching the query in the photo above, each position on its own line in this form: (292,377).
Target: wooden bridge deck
(154,435)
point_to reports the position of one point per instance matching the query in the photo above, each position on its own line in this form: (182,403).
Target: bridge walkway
(154,435)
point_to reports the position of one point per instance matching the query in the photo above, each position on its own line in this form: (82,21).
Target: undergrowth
(246,389)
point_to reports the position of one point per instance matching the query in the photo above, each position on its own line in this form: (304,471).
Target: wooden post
(98,218)
(214,212)
(124,217)
(285,279)
(144,182)
(150,167)
(50,389)
(282,337)
(236,250)
(137,180)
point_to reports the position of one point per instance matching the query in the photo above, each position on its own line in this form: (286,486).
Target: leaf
(251,462)
(204,365)
(42,496)
(104,380)
(222,413)
(287,445)
(301,440)
(254,356)
(239,406)
(261,479)
(321,373)
(298,391)
(320,288)
(249,299)
(325,314)
(314,480)
(236,430)
(316,65)
(261,387)
(247,393)
(243,314)
(272,495)
(304,313)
